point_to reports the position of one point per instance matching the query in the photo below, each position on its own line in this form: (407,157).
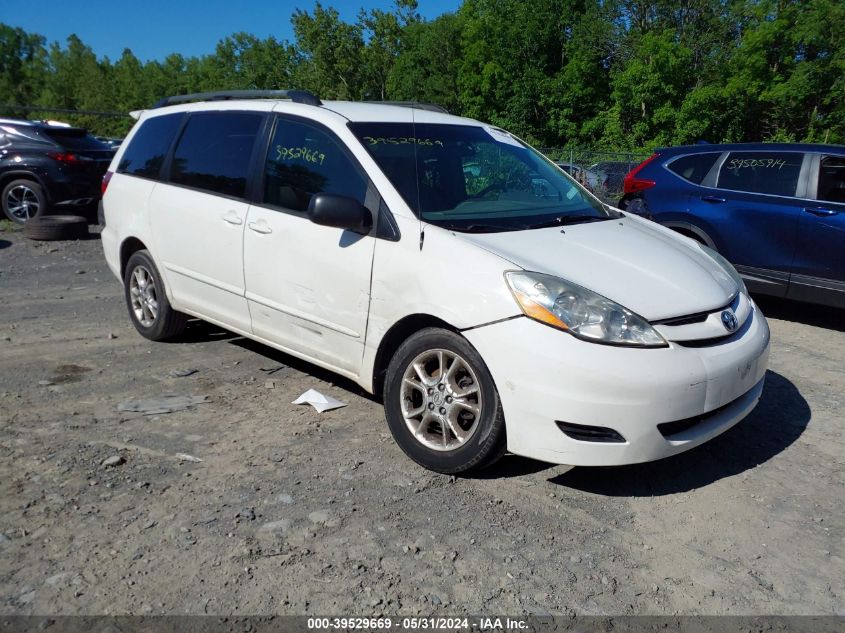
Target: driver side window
(302,160)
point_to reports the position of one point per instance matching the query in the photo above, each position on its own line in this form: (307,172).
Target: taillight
(632,184)
(64,157)
(104,185)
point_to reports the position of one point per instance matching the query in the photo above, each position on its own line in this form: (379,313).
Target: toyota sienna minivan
(439,262)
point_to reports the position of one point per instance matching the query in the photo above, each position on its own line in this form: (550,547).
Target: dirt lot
(291,511)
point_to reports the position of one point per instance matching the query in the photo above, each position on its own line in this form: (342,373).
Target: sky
(152,29)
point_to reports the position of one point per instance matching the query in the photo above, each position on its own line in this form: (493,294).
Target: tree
(330,53)
(23,69)
(426,68)
(609,74)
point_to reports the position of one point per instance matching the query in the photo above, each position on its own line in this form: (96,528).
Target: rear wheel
(441,404)
(149,309)
(22,200)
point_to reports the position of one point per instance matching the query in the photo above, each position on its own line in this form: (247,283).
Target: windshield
(472,178)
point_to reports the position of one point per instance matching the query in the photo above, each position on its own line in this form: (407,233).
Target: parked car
(590,179)
(489,312)
(613,174)
(776,211)
(45,168)
(113,143)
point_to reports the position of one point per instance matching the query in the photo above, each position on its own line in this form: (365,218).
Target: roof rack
(297,96)
(433,107)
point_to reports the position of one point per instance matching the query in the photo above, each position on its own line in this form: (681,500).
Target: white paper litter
(319,401)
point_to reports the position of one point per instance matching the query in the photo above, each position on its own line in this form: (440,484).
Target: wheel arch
(692,231)
(8,176)
(129,247)
(397,334)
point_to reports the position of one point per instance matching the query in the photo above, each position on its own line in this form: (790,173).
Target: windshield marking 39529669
(475,179)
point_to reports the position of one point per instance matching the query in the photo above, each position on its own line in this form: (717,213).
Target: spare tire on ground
(56,227)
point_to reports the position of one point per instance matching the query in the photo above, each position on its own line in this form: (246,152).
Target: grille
(670,429)
(698,317)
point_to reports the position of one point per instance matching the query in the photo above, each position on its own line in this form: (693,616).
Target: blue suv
(775,210)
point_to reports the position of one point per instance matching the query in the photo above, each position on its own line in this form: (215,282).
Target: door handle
(713,199)
(260,227)
(821,212)
(232,218)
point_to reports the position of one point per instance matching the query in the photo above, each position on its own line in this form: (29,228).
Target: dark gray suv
(49,167)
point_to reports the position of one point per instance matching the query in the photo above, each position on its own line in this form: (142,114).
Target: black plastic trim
(431,107)
(586,433)
(297,96)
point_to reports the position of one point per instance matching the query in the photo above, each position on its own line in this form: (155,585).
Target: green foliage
(609,74)
(426,68)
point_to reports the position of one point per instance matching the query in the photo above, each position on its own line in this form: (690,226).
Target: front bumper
(545,376)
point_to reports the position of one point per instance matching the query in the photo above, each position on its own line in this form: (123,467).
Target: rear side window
(694,167)
(774,173)
(303,160)
(214,152)
(832,179)
(148,148)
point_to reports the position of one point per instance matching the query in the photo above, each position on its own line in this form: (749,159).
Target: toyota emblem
(729,321)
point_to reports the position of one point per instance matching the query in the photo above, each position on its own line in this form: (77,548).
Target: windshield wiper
(482,228)
(566,220)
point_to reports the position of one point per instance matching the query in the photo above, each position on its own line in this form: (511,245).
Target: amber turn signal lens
(538,312)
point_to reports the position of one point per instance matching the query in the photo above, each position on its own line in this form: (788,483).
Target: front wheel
(441,404)
(149,309)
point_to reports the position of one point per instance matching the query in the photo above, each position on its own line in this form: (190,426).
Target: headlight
(727,266)
(580,312)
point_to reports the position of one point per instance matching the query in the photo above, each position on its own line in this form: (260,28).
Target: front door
(308,286)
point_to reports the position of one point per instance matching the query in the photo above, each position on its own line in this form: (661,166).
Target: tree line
(607,74)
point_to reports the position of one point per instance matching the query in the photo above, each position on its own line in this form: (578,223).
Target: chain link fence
(602,173)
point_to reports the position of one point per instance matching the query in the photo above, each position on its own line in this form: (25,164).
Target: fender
(691,228)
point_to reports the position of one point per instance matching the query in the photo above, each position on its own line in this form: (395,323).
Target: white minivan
(439,262)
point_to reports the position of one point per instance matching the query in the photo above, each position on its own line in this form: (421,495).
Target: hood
(641,265)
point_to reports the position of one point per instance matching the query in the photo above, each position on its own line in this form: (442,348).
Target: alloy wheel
(22,202)
(142,290)
(441,399)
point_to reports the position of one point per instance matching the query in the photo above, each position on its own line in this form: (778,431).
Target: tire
(23,200)
(469,440)
(146,299)
(56,227)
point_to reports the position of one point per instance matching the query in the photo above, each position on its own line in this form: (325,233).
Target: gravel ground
(295,512)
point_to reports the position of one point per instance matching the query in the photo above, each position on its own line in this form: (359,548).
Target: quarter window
(304,160)
(148,148)
(832,179)
(694,167)
(215,150)
(774,173)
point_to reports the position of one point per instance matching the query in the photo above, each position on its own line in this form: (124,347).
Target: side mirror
(329,209)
